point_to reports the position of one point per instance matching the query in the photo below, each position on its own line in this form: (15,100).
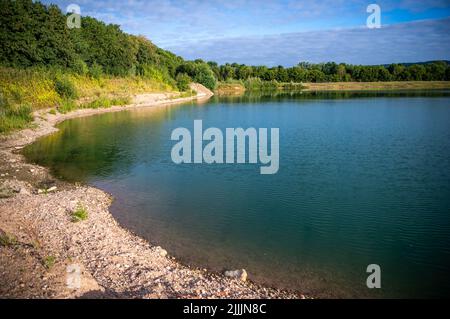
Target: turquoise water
(364,179)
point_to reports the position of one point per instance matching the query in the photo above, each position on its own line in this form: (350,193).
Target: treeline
(333,72)
(33,34)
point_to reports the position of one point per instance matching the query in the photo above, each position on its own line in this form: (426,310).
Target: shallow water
(364,179)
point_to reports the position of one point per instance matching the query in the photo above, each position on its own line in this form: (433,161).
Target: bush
(183,81)
(158,74)
(96,71)
(65,88)
(200,72)
(79,214)
(80,67)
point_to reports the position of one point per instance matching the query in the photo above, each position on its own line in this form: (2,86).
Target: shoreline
(42,248)
(236,89)
(375,86)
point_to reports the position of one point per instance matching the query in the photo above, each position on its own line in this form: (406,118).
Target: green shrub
(183,81)
(96,71)
(65,88)
(79,214)
(206,77)
(80,67)
(158,74)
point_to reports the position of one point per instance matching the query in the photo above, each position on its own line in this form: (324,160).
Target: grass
(79,214)
(66,106)
(7,240)
(230,87)
(105,102)
(23,91)
(49,261)
(15,117)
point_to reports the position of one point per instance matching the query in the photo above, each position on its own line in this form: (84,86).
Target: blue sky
(284,32)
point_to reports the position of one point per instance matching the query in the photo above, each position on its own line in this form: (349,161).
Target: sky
(283,32)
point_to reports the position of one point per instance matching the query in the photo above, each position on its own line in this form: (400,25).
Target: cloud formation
(407,42)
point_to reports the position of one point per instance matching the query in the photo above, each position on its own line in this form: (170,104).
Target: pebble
(240,274)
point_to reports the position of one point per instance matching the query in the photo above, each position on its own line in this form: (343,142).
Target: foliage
(79,214)
(332,72)
(200,72)
(65,88)
(183,81)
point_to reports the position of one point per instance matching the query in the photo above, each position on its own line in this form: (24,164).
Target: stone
(162,252)
(24,191)
(240,274)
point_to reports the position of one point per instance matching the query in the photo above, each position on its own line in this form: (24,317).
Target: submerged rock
(240,274)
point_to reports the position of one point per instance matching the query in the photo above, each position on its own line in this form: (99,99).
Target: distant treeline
(333,72)
(33,34)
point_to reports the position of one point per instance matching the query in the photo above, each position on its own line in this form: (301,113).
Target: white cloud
(407,42)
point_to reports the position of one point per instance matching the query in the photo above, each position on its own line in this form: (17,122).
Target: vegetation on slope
(43,63)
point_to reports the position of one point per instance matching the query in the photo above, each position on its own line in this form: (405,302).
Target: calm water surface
(363,179)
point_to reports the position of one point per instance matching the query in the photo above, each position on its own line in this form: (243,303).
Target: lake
(364,178)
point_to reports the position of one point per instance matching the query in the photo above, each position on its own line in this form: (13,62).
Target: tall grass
(23,91)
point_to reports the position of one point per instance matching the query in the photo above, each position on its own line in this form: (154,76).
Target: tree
(417,72)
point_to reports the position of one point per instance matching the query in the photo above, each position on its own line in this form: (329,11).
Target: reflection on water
(364,178)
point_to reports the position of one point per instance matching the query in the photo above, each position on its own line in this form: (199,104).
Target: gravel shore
(45,254)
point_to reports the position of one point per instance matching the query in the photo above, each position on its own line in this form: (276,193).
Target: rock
(162,252)
(52,189)
(24,191)
(240,274)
